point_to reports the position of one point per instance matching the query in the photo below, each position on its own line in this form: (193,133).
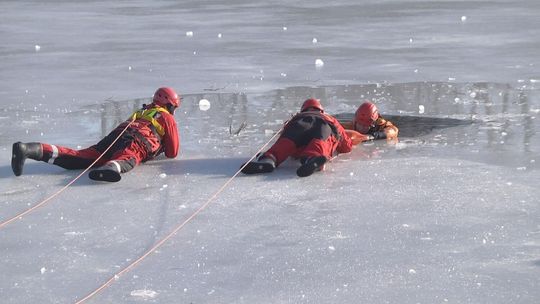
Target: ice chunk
(463,18)
(204,104)
(314,40)
(420,109)
(189,34)
(144,293)
(319,63)
(37,47)
(219,35)
(43,270)
(163,175)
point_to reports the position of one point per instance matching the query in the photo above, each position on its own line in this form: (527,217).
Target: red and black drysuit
(139,143)
(310,134)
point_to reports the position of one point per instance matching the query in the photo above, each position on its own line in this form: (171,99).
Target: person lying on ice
(368,125)
(152,132)
(312,136)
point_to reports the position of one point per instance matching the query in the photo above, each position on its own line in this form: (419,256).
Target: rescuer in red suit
(312,136)
(152,132)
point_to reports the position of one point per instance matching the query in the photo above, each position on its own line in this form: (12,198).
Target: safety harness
(151,116)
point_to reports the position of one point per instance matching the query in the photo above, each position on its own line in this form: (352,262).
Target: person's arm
(171,139)
(345,143)
(357,137)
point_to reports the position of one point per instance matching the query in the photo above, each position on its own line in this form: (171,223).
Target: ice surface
(448,214)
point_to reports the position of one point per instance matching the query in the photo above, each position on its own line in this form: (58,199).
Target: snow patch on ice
(144,293)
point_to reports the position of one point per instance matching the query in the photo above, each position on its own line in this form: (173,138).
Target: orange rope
(172,233)
(20,215)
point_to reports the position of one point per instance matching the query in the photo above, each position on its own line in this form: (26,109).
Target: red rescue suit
(310,134)
(152,132)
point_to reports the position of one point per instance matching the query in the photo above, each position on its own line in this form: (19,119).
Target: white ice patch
(37,47)
(314,41)
(43,270)
(144,293)
(219,35)
(463,18)
(421,109)
(319,63)
(74,233)
(189,34)
(204,104)
(163,175)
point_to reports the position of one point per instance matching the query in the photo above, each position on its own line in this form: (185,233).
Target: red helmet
(312,103)
(365,116)
(166,96)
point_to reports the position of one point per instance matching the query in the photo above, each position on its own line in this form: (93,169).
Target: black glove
(379,135)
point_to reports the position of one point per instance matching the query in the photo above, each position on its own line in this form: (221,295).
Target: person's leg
(61,156)
(269,160)
(317,152)
(68,158)
(121,161)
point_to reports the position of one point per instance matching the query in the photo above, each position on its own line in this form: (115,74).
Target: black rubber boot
(110,172)
(263,164)
(22,151)
(310,165)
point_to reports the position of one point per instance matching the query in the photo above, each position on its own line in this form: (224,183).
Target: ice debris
(319,63)
(189,34)
(204,104)
(144,293)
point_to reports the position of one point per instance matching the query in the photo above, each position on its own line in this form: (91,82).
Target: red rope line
(173,232)
(20,215)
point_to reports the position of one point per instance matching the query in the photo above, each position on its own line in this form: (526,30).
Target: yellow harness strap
(149,115)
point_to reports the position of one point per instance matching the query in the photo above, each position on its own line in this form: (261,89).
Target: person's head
(167,98)
(312,104)
(365,117)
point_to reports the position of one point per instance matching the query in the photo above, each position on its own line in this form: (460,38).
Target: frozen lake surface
(446,215)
